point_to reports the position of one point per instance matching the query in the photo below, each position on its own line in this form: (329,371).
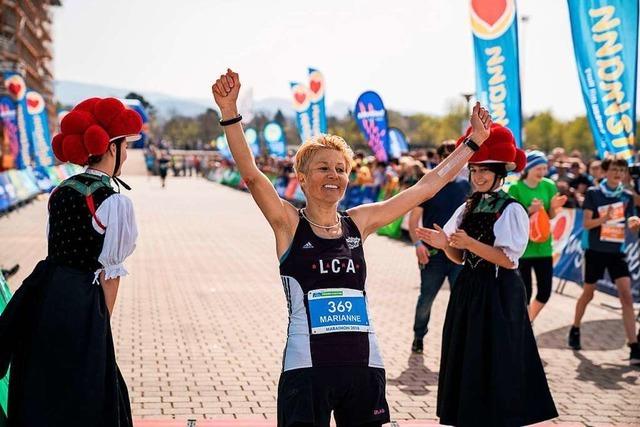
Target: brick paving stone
(203,315)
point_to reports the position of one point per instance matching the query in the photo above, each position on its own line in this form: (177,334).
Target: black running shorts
(596,262)
(355,394)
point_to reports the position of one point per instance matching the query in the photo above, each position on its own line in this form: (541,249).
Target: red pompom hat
(89,128)
(500,147)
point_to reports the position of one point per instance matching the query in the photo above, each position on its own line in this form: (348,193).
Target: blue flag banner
(251,136)
(318,112)
(136,105)
(8,115)
(605,43)
(40,135)
(568,234)
(568,253)
(223,147)
(17,88)
(302,107)
(371,117)
(397,143)
(495,43)
(275,139)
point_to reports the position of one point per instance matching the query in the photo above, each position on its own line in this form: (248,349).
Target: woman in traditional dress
(56,331)
(490,370)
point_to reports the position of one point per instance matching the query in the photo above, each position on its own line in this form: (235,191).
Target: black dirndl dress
(490,370)
(56,334)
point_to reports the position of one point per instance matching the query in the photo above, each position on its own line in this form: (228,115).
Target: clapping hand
(436,238)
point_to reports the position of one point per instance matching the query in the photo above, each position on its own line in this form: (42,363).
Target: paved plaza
(200,322)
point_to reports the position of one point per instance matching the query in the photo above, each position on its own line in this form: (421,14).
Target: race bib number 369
(337,310)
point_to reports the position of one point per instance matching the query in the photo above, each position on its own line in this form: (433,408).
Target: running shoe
(574,338)
(634,354)
(417,346)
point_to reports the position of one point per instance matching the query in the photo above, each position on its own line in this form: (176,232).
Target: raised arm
(370,217)
(280,214)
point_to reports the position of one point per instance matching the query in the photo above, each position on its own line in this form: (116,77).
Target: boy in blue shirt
(608,210)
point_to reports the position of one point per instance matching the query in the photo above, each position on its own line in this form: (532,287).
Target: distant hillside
(70,93)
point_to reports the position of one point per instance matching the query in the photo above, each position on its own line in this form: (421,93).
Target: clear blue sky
(416,53)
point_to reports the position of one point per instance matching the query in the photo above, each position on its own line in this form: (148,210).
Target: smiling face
(538,172)
(326,176)
(482,178)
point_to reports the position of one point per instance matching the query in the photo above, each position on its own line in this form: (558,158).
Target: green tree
(182,131)
(209,123)
(542,131)
(576,135)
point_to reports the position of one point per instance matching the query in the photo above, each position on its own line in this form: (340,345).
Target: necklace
(325,227)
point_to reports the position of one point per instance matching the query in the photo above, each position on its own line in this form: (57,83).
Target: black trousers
(543,268)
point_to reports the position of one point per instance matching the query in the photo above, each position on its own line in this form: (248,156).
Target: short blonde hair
(321,142)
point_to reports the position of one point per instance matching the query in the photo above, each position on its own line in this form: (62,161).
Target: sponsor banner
(136,105)
(397,143)
(316,93)
(40,135)
(371,117)
(568,253)
(302,107)
(495,43)
(251,135)
(8,115)
(274,137)
(17,88)
(605,43)
(223,147)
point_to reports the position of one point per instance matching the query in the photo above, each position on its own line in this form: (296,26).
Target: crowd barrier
(566,228)
(18,186)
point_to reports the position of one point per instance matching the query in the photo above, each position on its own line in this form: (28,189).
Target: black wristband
(231,121)
(471,144)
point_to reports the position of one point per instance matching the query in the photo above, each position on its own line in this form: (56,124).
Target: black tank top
(73,241)
(315,263)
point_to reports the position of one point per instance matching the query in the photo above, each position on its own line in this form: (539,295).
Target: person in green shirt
(536,192)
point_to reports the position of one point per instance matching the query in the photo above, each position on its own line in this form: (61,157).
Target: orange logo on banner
(539,227)
(491,18)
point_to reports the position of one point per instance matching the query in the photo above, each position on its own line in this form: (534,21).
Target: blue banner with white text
(398,144)
(40,135)
(318,111)
(495,42)
(275,140)
(371,117)
(302,107)
(10,133)
(17,88)
(605,43)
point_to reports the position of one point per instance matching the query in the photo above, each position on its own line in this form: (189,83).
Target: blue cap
(535,158)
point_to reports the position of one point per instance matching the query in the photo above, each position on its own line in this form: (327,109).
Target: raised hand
(480,124)
(436,238)
(225,93)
